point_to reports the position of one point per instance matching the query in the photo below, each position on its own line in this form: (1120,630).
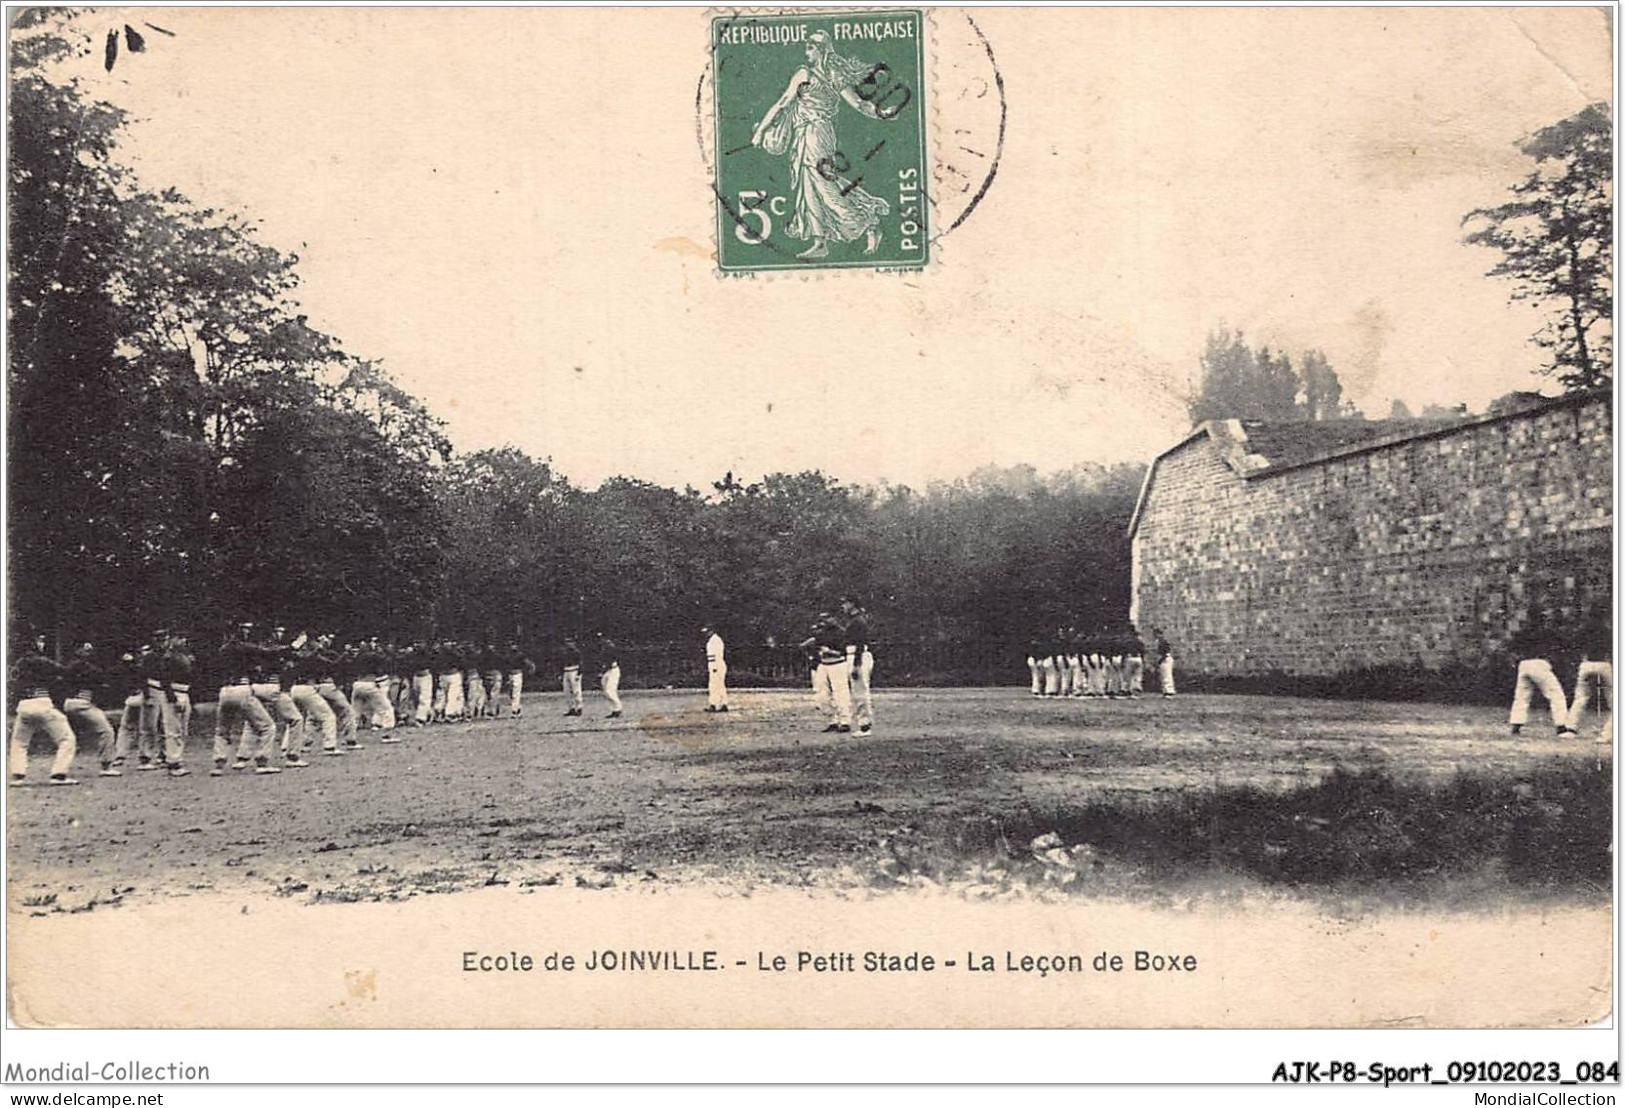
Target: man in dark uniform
(1165,662)
(369,693)
(87,682)
(1538,648)
(570,666)
(1035,665)
(607,661)
(861,661)
(131,689)
(241,715)
(163,745)
(333,676)
(1595,641)
(178,664)
(33,680)
(834,682)
(518,667)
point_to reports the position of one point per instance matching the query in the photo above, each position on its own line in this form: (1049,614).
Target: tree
(1239,383)
(1322,391)
(183,448)
(1556,242)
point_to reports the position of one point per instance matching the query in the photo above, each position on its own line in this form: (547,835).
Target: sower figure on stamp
(1535,648)
(801,124)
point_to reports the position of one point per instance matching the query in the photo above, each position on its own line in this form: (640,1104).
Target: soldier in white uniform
(1035,666)
(35,678)
(1135,662)
(1165,662)
(607,660)
(570,664)
(716,671)
(861,661)
(1536,647)
(833,679)
(1596,670)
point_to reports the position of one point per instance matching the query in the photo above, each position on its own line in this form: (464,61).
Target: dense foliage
(1556,239)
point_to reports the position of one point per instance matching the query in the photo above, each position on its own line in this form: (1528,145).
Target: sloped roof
(1291,444)
(1253,448)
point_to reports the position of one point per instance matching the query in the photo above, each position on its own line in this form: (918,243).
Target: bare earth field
(1320,864)
(672,794)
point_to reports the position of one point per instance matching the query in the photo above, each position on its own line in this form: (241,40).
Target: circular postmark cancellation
(846,140)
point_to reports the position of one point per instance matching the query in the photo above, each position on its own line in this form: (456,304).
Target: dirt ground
(671,794)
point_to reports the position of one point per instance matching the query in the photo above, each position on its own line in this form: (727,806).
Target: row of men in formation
(276,697)
(1108,663)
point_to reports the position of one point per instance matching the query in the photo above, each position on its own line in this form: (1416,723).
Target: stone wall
(1428,552)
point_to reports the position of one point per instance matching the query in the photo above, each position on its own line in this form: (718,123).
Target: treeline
(188,451)
(1239,382)
(997,555)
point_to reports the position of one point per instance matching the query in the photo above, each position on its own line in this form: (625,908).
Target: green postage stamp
(820,140)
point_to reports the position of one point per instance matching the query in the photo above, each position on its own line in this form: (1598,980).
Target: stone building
(1320,549)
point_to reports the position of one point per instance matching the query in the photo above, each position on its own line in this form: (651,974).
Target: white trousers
(372,706)
(1078,682)
(516,685)
(1038,676)
(38,716)
(242,717)
(863,705)
(610,682)
(1600,674)
(1535,675)
(1052,680)
(572,688)
(1165,673)
(454,695)
(716,689)
(834,685)
(476,693)
(316,711)
(422,696)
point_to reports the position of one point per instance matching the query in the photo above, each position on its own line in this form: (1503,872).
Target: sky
(510,208)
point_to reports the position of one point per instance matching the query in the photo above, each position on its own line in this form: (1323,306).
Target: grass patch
(1546,829)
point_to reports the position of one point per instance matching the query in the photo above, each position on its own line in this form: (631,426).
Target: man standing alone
(716,669)
(606,656)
